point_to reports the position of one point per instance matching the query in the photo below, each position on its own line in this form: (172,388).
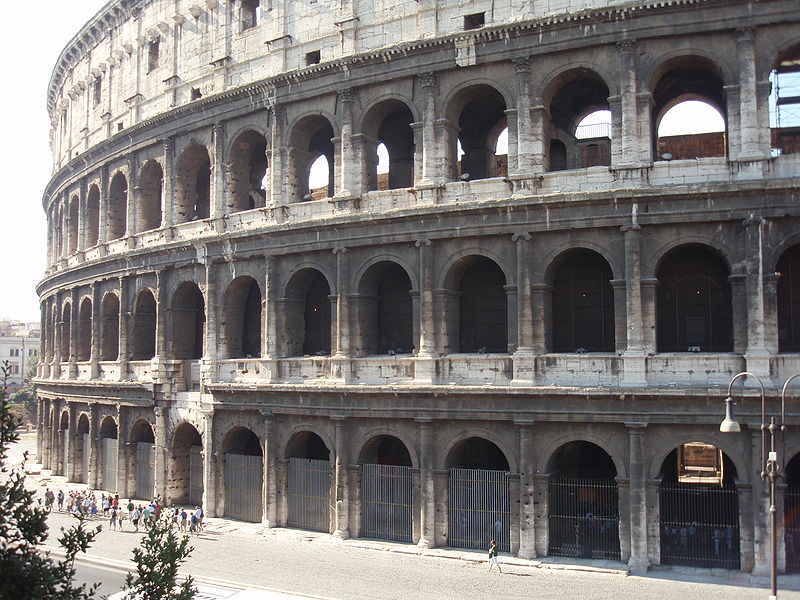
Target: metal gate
(478,509)
(309,482)
(86,448)
(244,482)
(583,517)
(386,502)
(145,470)
(110,452)
(699,525)
(195,475)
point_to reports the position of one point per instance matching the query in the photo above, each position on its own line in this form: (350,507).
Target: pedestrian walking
(49,498)
(135,516)
(493,562)
(60,500)
(184,517)
(112,521)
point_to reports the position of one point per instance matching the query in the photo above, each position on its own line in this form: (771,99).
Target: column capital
(339,250)
(635,426)
(338,419)
(626,46)
(745,34)
(346,95)
(266,414)
(422,242)
(521,236)
(754,220)
(427,80)
(522,64)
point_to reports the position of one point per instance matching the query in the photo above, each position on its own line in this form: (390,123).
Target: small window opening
(312,58)
(196,94)
(594,125)
(474,21)
(97,91)
(120,126)
(250,14)
(152,56)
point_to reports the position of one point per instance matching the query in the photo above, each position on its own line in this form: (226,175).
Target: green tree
(26,573)
(157,559)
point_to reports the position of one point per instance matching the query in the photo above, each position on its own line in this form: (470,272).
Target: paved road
(322,566)
(111,579)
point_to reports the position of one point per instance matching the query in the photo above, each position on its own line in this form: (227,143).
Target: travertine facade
(470,335)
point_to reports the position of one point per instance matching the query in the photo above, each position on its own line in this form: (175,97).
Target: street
(323,566)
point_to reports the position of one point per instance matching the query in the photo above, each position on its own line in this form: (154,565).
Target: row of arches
(388,128)
(694,311)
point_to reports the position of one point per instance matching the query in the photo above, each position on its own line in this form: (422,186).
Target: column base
(524,367)
(634,369)
(425,370)
(342,535)
(526,553)
(425,544)
(638,566)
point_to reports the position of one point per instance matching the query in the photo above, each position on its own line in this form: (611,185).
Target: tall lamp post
(770,466)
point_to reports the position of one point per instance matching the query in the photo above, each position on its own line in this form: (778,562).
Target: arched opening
(691,129)
(242,318)
(386,490)
(193,185)
(694,312)
(307,314)
(691,78)
(92,215)
(308,482)
(144,326)
(72,222)
(583,304)
(784,103)
(185,484)
(699,522)
(66,331)
(82,451)
(85,330)
(311,139)
(388,125)
(478,495)
(151,182)
(480,304)
(791,515)
(583,503)
(248,172)
(788,300)
(384,311)
(188,322)
(109,327)
(141,457)
(579,126)
(109,454)
(480,114)
(117,213)
(244,475)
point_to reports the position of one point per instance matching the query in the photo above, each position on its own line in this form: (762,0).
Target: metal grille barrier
(583,517)
(699,525)
(478,509)
(110,451)
(86,445)
(195,475)
(309,494)
(386,512)
(145,470)
(791,524)
(244,480)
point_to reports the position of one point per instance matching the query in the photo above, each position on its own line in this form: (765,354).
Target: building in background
(19,345)
(470,339)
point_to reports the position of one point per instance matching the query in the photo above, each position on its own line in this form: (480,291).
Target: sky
(31,45)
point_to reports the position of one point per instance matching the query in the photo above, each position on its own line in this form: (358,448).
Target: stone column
(440,495)
(162,343)
(210,352)
(277,166)
(541,486)
(131,226)
(95,478)
(771,313)
(342,304)
(756,356)
(217,208)
(638,561)
(427,507)
(629,122)
(270,500)
(354,482)
(741,321)
(427,319)
(542,300)
(169,183)
(270,325)
(73,335)
(122,452)
(525,150)
(751,146)
(124,312)
(342,489)
(94,352)
(649,299)
(349,171)
(527,497)
(162,449)
(102,227)
(209,465)
(634,356)
(428,175)
(524,306)
(70,460)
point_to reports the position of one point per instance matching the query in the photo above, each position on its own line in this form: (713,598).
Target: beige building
(514,345)
(19,345)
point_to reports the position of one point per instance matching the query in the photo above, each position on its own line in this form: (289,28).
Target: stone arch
(554,258)
(66,330)
(193,184)
(388,122)
(142,431)
(549,451)
(109,327)
(650,268)
(384,310)
(291,438)
(148,210)
(144,325)
(307,313)
(377,432)
(72,222)
(188,321)
(108,427)
(309,138)
(92,215)
(84,349)
(248,169)
(788,299)
(185,484)
(444,458)
(241,318)
(667,445)
(117,212)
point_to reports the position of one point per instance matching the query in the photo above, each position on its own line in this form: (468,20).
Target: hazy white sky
(31,43)
(32,39)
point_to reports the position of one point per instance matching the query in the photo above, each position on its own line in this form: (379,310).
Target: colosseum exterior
(471,346)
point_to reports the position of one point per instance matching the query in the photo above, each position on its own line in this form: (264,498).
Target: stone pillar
(527,497)
(649,299)
(95,448)
(131,226)
(638,561)
(427,319)
(162,342)
(342,489)
(122,452)
(541,486)
(342,303)
(514,516)
(525,146)
(751,138)
(217,208)
(634,373)
(270,502)
(652,490)
(741,322)
(70,460)
(747,541)
(124,313)
(277,166)
(542,301)
(73,334)
(94,356)
(428,175)
(209,465)
(209,359)
(167,219)
(771,313)
(628,153)
(349,170)
(102,227)
(620,316)
(427,506)
(624,496)
(757,356)
(270,324)
(440,496)
(524,306)
(354,482)
(162,450)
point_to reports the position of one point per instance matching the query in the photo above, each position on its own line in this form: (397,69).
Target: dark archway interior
(477,453)
(109,328)
(149,196)
(317,339)
(242,318)
(144,326)
(390,122)
(788,268)
(108,428)
(248,168)
(193,185)
(243,441)
(85,330)
(142,432)
(92,215)
(117,213)
(385,450)
(480,121)
(483,308)
(188,322)
(307,444)
(583,459)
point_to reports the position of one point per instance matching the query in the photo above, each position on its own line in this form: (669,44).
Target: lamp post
(770,466)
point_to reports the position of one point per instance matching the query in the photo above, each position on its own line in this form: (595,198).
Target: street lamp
(771,468)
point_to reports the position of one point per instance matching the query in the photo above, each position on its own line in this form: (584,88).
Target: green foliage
(26,573)
(23,405)
(157,559)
